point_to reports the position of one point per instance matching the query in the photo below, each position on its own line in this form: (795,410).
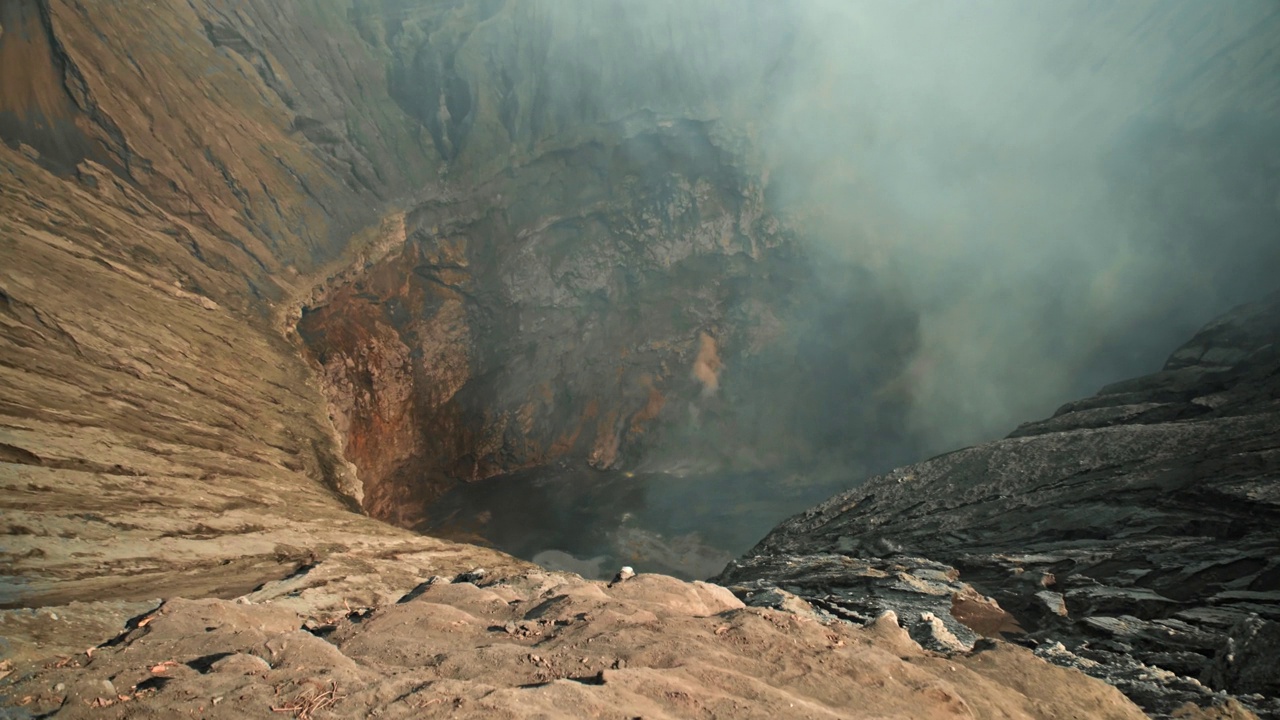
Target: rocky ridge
(1132,535)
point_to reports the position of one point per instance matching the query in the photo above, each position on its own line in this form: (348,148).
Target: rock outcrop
(558,312)
(1132,535)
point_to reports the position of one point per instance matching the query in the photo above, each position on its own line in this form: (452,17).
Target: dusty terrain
(530,645)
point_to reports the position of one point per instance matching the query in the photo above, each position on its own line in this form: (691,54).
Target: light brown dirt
(539,645)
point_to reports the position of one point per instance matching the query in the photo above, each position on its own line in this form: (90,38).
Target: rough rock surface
(532,644)
(557,313)
(486,223)
(1132,535)
(546,302)
(159,213)
(196,201)
(179,181)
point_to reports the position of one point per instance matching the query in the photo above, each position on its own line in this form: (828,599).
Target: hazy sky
(1063,191)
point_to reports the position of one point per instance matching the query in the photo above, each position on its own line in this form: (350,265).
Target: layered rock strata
(1131,535)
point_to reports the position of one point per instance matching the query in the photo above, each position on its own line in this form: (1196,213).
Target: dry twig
(311,701)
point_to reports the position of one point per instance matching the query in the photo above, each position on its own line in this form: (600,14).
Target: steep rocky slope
(489,223)
(223,219)
(160,208)
(265,265)
(179,181)
(1132,535)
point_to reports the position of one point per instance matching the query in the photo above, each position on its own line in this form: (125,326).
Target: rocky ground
(1132,535)
(525,644)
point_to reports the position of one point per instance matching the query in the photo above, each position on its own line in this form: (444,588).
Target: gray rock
(932,634)
(88,690)
(1052,602)
(474,576)
(779,599)
(1249,661)
(922,594)
(1132,536)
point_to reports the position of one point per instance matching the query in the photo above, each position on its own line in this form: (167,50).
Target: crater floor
(592,522)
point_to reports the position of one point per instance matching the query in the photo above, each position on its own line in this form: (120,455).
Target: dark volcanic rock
(1133,535)
(1249,662)
(938,611)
